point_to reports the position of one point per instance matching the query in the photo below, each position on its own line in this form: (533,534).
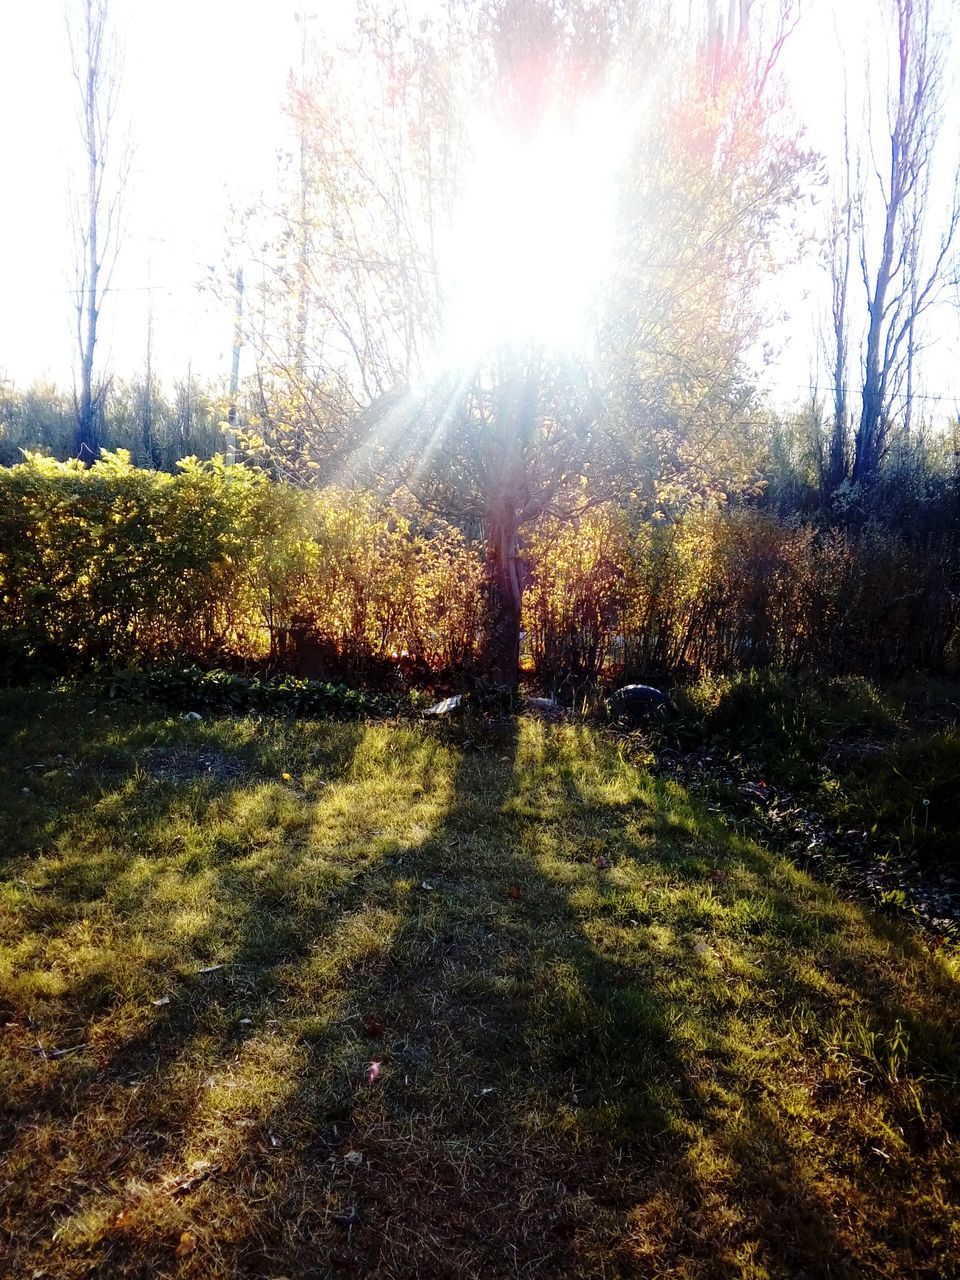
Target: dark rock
(639,704)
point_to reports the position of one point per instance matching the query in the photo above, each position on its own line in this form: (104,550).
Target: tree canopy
(399,349)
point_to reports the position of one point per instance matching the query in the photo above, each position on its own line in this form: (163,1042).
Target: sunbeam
(531,243)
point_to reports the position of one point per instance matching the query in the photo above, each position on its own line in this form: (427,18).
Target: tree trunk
(502,649)
(88,443)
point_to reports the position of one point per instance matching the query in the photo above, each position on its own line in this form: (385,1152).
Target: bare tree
(905,278)
(836,343)
(97,215)
(148,399)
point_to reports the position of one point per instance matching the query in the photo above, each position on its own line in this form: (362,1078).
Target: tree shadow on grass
(531,1093)
(148,950)
(563,1086)
(809,1145)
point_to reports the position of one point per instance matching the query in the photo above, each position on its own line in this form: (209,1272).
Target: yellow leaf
(188,1242)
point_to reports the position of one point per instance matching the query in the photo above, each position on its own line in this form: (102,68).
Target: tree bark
(502,648)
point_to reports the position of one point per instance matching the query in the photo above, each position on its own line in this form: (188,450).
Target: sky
(825,56)
(203,83)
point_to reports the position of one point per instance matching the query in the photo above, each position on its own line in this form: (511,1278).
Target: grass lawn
(287,999)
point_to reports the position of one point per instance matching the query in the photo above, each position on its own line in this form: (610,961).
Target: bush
(190,688)
(728,590)
(217,564)
(112,564)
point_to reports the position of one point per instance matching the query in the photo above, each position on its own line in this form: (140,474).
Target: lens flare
(531,244)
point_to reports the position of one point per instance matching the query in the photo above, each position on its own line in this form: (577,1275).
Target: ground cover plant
(880,758)
(310,998)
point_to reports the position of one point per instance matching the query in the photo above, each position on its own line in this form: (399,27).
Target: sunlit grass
(610,1037)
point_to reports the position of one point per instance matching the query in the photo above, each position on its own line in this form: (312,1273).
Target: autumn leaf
(372,1026)
(514,893)
(188,1242)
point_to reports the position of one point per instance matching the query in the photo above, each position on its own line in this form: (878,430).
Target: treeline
(119,565)
(156,425)
(635,514)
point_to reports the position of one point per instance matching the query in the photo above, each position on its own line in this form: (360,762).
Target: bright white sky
(833,39)
(202,85)
(203,81)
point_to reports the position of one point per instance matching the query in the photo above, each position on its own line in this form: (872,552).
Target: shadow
(463,1026)
(151,955)
(488,1017)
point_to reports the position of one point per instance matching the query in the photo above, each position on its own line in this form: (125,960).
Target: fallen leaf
(188,1242)
(373,1072)
(372,1026)
(162,1000)
(287,777)
(427,888)
(353,1157)
(514,893)
(601,863)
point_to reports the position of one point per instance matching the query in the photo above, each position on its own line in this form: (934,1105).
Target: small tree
(97,216)
(903,277)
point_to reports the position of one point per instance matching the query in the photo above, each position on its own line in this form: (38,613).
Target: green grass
(612,1038)
(886,761)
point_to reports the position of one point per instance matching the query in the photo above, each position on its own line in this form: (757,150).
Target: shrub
(112,562)
(117,565)
(190,688)
(218,564)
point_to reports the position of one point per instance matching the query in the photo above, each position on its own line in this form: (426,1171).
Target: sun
(531,243)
